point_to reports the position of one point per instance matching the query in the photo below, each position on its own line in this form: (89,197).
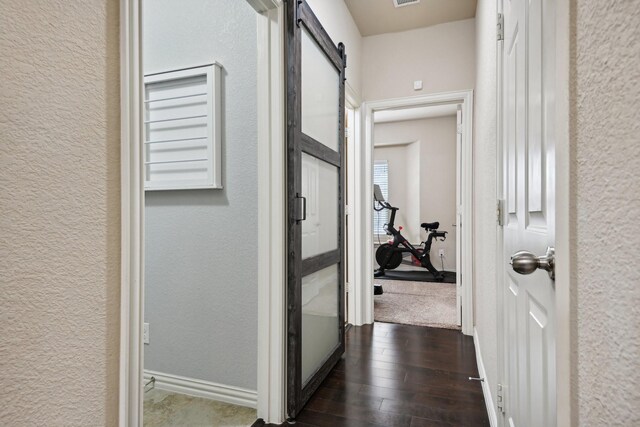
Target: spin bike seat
(430,225)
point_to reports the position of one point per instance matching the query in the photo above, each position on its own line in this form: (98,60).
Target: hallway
(400,375)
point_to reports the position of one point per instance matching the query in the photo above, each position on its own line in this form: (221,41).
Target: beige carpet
(417,303)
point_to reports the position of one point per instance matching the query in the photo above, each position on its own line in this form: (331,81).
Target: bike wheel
(394,259)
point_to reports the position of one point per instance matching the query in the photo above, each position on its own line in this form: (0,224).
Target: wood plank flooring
(400,375)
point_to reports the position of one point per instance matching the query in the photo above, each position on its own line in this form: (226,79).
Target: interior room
(187,226)
(201,195)
(415,159)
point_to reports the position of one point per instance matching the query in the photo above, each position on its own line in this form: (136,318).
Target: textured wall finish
(484,190)
(606,208)
(201,285)
(60,220)
(442,56)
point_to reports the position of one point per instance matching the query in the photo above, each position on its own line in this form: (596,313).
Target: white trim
(262,6)
(364,184)
(200,388)
(362,265)
(486,391)
(566,412)
(271,404)
(392,144)
(352,99)
(500,194)
(352,102)
(131,297)
(157,75)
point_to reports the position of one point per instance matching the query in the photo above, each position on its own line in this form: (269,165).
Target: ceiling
(417,113)
(381,16)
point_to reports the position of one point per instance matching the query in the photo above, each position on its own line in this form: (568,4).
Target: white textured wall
(431,163)
(606,209)
(336,19)
(442,56)
(201,285)
(484,190)
(60,220)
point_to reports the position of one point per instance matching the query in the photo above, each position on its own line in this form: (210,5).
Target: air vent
(402,3)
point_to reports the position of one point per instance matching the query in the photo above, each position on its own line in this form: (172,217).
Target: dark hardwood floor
(400,375)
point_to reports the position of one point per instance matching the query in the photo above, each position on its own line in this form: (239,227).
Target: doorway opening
(200,151)
(410,152)
(416,154)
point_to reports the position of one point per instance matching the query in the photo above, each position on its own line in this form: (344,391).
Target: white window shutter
(182,146)
(381,178)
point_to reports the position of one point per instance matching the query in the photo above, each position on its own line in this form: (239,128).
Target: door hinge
(347,287)
(500,399)
(500,27)
(500,212)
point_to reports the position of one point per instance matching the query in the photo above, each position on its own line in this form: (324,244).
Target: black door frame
(297,14)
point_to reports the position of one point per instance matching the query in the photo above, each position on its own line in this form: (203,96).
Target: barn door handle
(524,262)
(302,208)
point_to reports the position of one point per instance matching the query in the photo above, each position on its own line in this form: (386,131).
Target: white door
(458,224)
(529,214)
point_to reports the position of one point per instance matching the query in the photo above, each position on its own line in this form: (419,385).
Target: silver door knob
(524,262)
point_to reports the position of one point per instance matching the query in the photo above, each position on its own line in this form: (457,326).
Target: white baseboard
(200,388)
(488,399)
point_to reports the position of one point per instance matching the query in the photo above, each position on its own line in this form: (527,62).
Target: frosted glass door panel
(320,328)
(320,103)
(320,188)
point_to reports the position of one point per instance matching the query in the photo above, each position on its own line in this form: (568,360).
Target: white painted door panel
(529,192)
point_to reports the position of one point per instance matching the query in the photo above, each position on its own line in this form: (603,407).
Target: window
(182,146)
(381,177)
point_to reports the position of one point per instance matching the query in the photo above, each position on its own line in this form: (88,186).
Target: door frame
(272,213)
(566,404)
(352,101)
(132,214)
(270,352)
(363,289)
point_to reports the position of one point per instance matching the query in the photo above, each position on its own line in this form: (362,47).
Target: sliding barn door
(315,136)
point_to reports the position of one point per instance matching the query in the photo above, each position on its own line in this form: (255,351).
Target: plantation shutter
(381,178)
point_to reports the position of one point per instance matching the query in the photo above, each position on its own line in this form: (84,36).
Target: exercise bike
(389,255)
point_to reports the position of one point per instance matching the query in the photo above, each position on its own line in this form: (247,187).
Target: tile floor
(165,409)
